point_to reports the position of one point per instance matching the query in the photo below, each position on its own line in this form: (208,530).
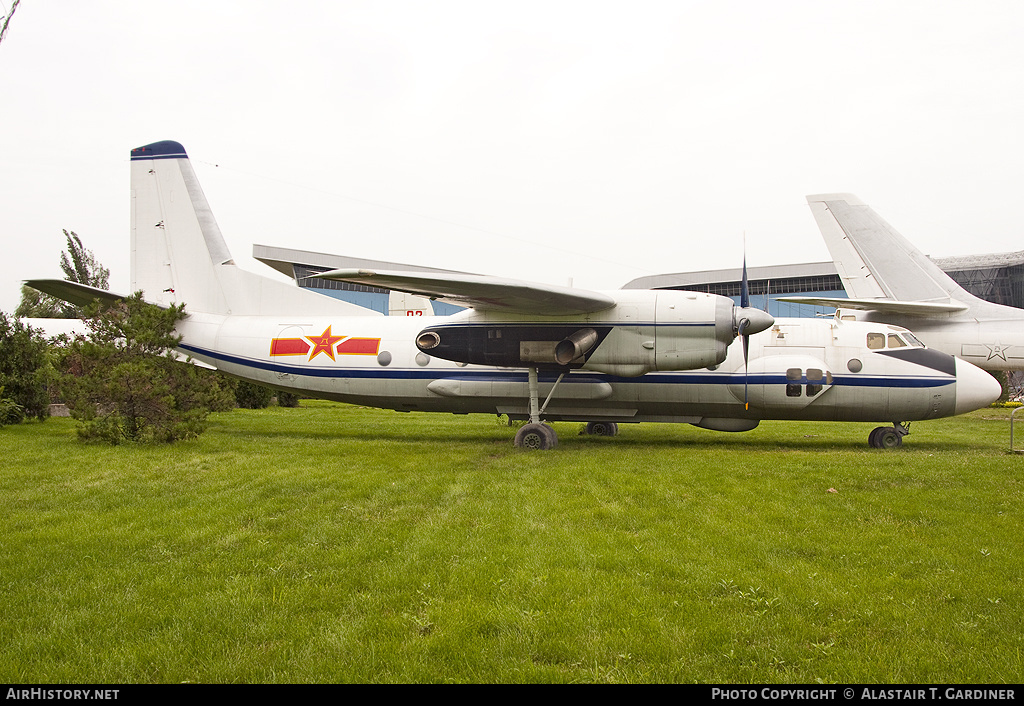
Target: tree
(24,367)
(79,265)
(123,381)
(7,20)
(36,305)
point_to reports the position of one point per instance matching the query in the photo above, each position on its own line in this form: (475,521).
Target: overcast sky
(598,141)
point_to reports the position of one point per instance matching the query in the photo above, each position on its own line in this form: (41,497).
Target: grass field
(337,544)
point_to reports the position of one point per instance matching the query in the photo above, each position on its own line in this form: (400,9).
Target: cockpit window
(912,339)
(903,339)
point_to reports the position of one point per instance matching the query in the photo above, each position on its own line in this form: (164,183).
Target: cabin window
(814,378)
(896,342)
(793,376)
(876,341)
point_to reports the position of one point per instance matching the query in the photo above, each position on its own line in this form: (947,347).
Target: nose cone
(974,388)
(756,320)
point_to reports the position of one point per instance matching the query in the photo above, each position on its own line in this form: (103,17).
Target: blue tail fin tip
(167,149)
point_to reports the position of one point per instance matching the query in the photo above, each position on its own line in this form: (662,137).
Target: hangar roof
(282,260)
(811,269)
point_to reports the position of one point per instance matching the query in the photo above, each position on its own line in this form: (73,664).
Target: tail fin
(874,261)
(178,254)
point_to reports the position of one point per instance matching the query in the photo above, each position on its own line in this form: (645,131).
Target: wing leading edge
(482,292)
(887,306)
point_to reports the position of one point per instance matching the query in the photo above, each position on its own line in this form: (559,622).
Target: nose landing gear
(888,437)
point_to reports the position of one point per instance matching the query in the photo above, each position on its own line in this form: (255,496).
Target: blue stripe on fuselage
(576,377)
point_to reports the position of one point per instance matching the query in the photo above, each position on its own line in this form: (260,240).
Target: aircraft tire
(873,437)
(536,437)
(885,438)
(602,429)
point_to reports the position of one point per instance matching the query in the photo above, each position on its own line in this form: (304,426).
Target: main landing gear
(537,435)
(888,437)
(602,429)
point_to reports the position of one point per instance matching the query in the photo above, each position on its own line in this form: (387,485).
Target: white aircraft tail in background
(891,281)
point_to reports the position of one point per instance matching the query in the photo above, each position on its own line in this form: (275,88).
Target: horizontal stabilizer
(482,292)
(73,292)
(887,306)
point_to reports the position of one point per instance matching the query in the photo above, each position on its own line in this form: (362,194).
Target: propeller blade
(745,339)
(747,321)
(744,286)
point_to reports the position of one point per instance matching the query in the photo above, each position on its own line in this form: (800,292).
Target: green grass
(337,544)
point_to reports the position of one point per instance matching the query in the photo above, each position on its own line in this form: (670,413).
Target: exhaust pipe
(574,346)
(427,340)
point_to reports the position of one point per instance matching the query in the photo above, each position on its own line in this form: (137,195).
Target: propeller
(748,320)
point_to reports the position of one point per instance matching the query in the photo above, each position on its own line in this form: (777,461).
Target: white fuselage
(798,369)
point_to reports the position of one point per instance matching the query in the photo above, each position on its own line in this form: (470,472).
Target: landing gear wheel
(602,429)
(885,438)
(873,435)
(537,437)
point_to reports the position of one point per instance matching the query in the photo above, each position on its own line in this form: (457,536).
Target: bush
(24,367)
(249,395)
(11,412)
(287,399)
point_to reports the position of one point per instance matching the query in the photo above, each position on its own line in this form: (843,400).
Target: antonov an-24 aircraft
(530,351)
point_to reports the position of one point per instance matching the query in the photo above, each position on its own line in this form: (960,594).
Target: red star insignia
(324,343)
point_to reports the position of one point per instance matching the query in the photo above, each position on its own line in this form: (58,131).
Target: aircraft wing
(481,292)
(73,292)
(887,306)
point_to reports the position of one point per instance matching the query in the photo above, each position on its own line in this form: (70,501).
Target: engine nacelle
(685,331)
(555,345)
(654,330)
